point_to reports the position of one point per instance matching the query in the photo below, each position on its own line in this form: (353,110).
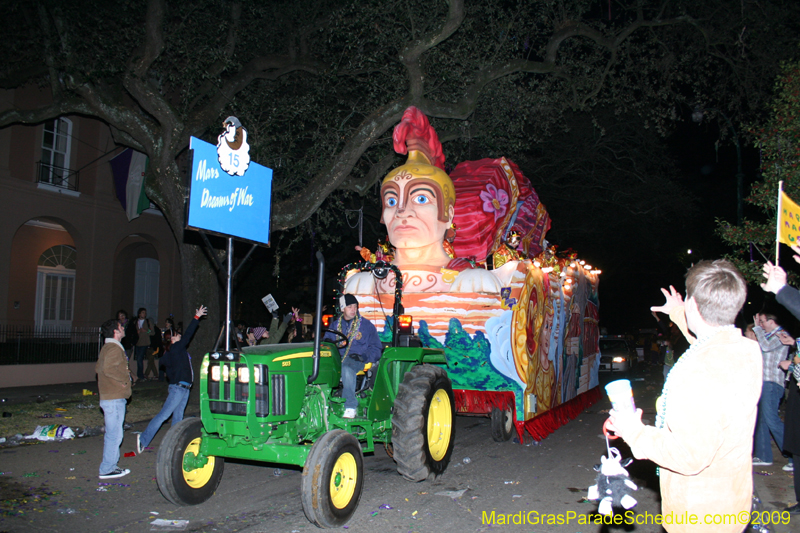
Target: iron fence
(29,345)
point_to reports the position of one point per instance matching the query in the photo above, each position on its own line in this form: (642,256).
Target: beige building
(69,257)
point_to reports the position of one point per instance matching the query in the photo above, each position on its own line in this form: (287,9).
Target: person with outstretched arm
(706,413)
(178,364)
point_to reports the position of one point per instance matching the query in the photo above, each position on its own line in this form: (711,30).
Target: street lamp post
(697,116)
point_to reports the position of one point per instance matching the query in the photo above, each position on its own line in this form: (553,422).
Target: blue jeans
(174,407)
(114,414)
(768,421)
(350,367)
(140,352)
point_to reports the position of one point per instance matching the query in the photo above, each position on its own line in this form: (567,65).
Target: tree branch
(291,212)
(49,56)
(376,172)
(263,67)
(136,81)
(217,68)
(154,39)
(411,53)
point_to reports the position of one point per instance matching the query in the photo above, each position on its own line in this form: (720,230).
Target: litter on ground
(159,524)
(452,493)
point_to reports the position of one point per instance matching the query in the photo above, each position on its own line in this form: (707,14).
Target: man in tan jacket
(703,436)
(114,384)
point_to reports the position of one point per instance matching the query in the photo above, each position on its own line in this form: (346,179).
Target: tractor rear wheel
(333,478)
(423,423)
(177,485)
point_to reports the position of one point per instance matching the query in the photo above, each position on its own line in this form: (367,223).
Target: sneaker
(139,444)
(759,462)
(349,413)
(115,473)
(793,509)
(788,467)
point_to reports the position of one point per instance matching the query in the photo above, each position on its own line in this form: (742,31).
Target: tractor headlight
(226,373)
(215,373)
(244,374)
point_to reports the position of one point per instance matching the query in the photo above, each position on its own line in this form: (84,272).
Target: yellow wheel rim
(343,480)
(440,424)
(198,477)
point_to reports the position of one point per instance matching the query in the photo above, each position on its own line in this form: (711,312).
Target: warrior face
(414,211)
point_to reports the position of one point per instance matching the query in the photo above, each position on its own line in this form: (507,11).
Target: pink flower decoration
(494,201)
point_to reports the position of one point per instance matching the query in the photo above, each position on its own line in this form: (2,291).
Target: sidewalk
(14,395)
(774,486)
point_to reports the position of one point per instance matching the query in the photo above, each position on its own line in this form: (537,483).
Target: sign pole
(778,225)
(228,276)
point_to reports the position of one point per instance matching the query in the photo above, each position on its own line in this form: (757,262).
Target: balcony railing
(28,345)
(60,177)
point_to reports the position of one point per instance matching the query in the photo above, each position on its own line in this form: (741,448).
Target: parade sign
(228,194)
(270,303)
(788,220)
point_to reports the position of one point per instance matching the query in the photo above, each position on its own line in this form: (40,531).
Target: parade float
(518,319)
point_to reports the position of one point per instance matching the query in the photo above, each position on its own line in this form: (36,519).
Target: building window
(145,289)
(54,165)
(61,255)
(55,287)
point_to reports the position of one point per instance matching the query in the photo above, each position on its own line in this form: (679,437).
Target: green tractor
(278,404)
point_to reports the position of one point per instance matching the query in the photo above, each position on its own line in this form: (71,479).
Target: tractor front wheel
(423,423)
(176,484)
(333,477)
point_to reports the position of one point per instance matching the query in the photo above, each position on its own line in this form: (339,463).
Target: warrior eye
(391,202)
(421,199)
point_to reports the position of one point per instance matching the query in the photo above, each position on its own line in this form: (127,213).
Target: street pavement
(53,486)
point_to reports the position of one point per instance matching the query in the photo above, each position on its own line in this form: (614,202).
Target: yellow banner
(789,221)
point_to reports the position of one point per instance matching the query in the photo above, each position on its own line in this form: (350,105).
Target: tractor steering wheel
(340,334)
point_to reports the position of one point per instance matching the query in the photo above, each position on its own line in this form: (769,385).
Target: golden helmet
(419,168)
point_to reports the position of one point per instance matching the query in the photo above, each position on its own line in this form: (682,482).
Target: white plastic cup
(621,396)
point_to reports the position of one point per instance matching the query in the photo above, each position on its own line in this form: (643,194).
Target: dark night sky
(709,173)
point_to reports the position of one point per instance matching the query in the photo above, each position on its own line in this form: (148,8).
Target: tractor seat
(366,378)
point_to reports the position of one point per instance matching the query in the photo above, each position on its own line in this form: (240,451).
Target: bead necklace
(661,401)
(354,326)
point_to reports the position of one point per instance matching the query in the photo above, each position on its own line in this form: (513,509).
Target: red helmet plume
(415,133)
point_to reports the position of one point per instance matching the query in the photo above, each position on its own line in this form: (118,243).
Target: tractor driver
(363,347)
